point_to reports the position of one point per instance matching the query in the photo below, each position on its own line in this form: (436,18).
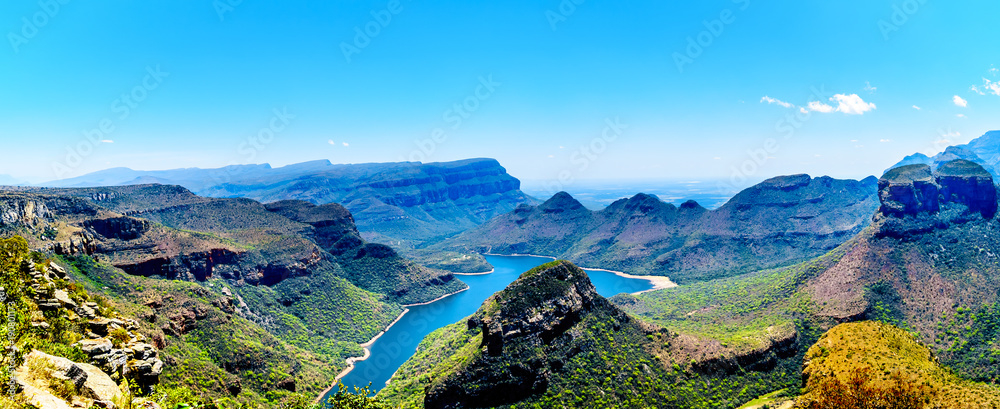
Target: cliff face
(913,189)
(401,204)
(915,199)
(779,221)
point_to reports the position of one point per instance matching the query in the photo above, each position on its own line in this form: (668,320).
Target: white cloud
(770,100)
(885,140)
(959,101)
(331,142)
(870,88)
(951,134)
(107,141)
(346,144)
(820,107)
(916,107)
(552,156)
(992,87)
(849,104)
(960,115)
(803,110)
(852,104)
(994,71)
(717,158)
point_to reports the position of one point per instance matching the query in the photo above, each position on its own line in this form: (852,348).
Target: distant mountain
(984,150)
(777,222)
(401,204)
(7,180)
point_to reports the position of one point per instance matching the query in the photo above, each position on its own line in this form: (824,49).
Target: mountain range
(984,150)
(401,204)
(780,221)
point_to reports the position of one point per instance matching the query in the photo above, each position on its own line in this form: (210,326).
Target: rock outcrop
(525,329)
(39,371)
(112,343)
(914,189)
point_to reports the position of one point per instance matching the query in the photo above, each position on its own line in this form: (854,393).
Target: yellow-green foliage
(890,358)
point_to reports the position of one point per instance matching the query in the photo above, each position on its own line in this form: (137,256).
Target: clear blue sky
(562,75)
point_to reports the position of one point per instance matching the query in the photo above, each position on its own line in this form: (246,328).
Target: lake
(390,351)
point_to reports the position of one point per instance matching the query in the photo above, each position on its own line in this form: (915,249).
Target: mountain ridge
(778,222)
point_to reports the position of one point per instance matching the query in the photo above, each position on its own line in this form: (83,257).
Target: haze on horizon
(644,90)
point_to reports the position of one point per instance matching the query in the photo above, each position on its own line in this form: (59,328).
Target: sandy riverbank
(659,282)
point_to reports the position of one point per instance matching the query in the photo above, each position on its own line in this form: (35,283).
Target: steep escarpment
(401,204)
(780,221)
(372,266)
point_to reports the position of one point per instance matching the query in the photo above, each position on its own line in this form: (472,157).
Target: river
(400,342)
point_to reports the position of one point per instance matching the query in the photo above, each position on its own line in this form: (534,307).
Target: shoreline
(437,299)
(475,274)
(367,345)
(658,282)
(351,360)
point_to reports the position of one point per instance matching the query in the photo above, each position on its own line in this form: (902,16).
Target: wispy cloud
(988,87)
(916,107)
(885,140)
(960,101)
(331,142)
(107,141)
(870,88)
(779,102)
(960,115)
(346,144)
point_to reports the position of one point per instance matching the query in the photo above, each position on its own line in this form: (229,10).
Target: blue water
(401,341)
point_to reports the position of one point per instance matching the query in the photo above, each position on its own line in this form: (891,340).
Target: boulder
(63,297)
(91,381)
(95,347)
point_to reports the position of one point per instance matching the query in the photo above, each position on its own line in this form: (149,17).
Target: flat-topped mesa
(913,189)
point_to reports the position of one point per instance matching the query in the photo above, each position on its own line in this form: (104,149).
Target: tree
(360,398)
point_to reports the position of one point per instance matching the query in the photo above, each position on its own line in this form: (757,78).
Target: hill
(549,340)
(778,222)
(884,366)
(401,204)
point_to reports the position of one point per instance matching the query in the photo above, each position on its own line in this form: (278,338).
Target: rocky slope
(295,280)
(51,314)
(778,222)
(401,204)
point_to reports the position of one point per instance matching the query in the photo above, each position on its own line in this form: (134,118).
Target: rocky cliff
(402,204)
(914,198)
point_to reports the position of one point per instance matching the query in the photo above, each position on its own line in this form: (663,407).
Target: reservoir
(391,350)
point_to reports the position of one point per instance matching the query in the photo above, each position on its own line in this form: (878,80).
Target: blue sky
(555,90)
